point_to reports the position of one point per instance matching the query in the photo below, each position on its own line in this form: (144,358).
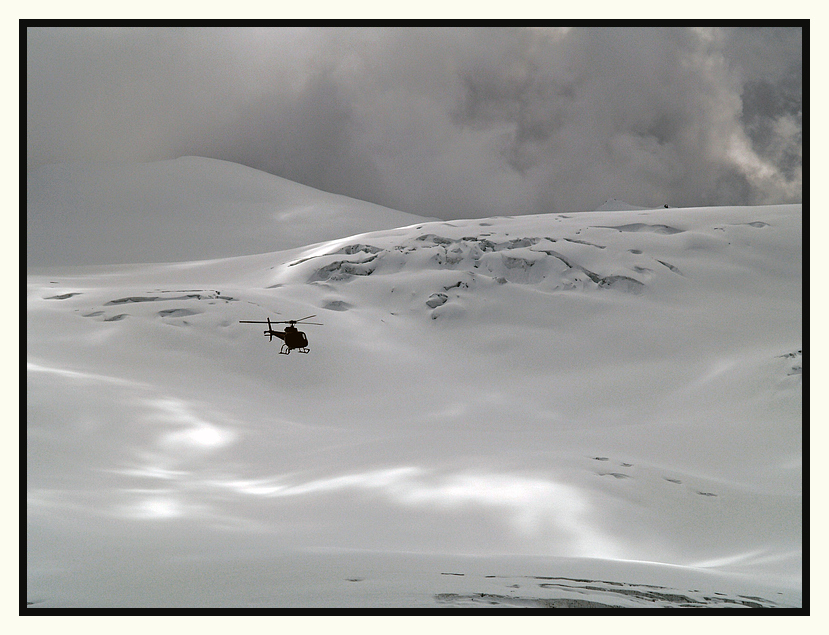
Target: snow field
(554,396)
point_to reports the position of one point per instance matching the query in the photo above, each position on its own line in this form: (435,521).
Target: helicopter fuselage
(293,338)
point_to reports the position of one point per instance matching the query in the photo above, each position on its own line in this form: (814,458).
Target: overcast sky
(445,122)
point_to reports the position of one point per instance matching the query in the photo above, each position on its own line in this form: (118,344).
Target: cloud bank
(444,122)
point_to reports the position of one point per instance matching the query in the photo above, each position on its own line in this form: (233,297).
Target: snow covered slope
(190,208)
(596,409)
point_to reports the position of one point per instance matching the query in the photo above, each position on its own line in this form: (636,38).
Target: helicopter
(292,338)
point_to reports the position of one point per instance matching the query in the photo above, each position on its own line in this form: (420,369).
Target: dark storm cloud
(439,122)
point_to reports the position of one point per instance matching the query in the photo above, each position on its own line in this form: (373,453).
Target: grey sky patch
(457,122)
(773,120)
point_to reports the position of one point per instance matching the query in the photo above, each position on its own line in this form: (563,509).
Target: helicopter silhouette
(292,338)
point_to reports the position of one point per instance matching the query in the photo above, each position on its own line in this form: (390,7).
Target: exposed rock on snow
(63,296)
(436,299)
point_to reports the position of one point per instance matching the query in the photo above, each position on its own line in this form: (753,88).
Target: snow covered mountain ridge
(185,209)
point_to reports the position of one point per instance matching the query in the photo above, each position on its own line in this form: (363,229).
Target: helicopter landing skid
(285,350)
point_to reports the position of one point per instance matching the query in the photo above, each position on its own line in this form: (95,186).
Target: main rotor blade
(299,321)
(252,322)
